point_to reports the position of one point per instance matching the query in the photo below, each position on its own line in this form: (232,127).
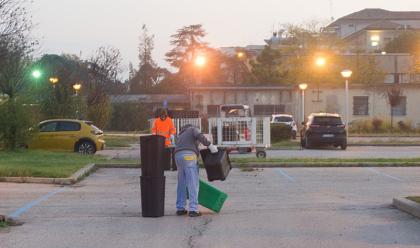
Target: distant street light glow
(240,55)
(346,73)
(320,61)
(303,86)
(36,74)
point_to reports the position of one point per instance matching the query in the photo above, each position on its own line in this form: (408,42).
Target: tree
(15,50)
(59,101)
(266,68)
(104,69)
(393,95)
(407,42)
(187,44)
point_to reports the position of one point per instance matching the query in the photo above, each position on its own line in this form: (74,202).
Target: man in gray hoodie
(186,157)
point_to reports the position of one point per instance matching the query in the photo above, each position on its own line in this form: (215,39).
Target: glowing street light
(240,55)
(36,74)
(53,81)
(77,87)
(320,61)
(303,87)
(346,75)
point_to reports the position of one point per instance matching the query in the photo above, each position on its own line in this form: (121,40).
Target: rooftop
(379,14)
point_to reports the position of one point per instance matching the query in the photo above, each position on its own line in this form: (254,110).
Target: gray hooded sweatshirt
(189,138)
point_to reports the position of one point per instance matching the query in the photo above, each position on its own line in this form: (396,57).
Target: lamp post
(77,87)
(303,87)
(53,81)
(346,75)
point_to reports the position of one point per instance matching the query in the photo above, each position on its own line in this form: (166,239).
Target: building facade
(263,100)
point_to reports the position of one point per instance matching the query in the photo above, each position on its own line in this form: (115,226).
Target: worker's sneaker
(194,214)
(181,212)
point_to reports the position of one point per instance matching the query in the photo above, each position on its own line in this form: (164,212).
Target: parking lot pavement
(293,207)
(351,152)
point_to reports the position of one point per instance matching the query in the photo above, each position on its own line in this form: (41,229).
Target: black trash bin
(152,196)
(152,180)
(152,150)
(167,159)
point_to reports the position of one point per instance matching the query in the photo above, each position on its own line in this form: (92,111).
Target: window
(327,120)
(268,110)
(360,105)
(212,110)
(400,109)
(68,126)
(48,127)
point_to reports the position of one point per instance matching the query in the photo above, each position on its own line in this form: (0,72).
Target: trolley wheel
(261,154)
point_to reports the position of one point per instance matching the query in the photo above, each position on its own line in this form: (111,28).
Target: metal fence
(180,122)
(240,131)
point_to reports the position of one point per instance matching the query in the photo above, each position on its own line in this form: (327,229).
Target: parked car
(67,135)
(286,120)
(323,129)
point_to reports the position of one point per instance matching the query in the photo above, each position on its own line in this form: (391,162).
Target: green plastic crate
(211,197)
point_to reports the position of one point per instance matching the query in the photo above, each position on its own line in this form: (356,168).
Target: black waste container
(217,165)
(152,150)
(152,196)
(167,159)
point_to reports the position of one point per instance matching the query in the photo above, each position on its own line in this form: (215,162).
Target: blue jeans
(188,178)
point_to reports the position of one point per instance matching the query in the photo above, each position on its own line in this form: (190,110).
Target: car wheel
(261,154)
(86,147)
(343,146)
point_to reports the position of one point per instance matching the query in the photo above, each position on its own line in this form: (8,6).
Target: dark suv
(323,129)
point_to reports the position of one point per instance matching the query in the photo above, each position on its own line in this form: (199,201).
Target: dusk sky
(81,26)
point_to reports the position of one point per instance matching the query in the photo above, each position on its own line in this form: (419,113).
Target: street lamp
(346,75)
(53,81)
(303,87)
(240,55)
(77,87)
(320,61)
(36,74)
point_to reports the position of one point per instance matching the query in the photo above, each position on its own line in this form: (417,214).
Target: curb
(407,206)
(76,177)
(322,165)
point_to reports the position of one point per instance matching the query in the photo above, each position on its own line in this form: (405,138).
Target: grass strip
(414,198)
(120,141)
(47,164)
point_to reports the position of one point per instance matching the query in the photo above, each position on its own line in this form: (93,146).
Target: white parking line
(384,174)
(283,173)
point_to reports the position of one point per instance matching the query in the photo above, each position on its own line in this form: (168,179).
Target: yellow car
(68,135)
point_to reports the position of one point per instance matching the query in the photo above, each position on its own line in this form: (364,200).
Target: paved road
(351,152)
(301,207)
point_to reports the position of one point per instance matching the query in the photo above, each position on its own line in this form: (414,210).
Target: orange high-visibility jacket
(164,128)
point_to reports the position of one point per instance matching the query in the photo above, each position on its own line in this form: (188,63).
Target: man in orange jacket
(164,126)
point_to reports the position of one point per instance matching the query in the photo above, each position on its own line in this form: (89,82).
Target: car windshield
(283,119)
(327,121)
(95,128)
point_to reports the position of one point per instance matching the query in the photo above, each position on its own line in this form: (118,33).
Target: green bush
(280,132)
(129,117)
(15,121)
